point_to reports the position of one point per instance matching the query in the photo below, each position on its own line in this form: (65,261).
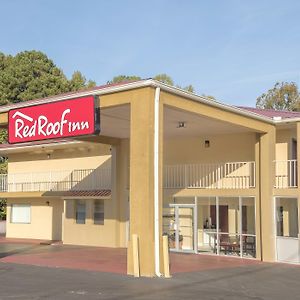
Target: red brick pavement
(112,260)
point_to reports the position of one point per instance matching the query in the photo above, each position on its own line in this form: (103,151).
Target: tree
(164,78)
(79,82)
(31,75)
(123,78)
(283,96)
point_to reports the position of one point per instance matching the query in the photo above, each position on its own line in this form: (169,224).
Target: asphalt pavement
(264,281)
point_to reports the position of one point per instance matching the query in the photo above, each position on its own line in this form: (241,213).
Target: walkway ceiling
(115,122)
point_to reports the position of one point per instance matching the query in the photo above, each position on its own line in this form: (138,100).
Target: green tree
(123,78)
(79,82)
(283,96)
(31,75)
(164,78)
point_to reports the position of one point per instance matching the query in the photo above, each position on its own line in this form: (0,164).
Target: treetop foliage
(164,78)
(283,96)
(31,75)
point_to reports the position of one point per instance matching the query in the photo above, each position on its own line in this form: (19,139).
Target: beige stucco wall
(46,219)
(284,139)
(223,148)
(89,233)
(85,156)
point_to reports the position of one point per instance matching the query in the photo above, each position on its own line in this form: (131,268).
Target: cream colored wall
(81,157)
(223,148)
(284,143)
(45,219)
(89,233)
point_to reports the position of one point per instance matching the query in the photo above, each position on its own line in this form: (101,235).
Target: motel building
(124,165)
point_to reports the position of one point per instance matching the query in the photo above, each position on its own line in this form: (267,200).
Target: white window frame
(20,205)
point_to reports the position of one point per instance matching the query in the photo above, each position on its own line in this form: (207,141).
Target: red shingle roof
(96,193)
(271,113)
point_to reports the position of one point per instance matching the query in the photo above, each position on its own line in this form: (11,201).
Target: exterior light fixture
(48,155)
(206,144)
(181,125)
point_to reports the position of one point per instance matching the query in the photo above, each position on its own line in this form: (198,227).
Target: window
(20,213)
(99,212)
(80,211)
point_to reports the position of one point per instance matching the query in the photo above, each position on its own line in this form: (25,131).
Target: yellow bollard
(136,259)
(166,256)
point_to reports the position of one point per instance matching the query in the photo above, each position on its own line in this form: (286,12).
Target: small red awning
(87,194)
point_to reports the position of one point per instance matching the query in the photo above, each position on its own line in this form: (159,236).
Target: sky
(234,50)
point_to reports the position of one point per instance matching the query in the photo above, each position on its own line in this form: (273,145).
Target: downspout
(156,183)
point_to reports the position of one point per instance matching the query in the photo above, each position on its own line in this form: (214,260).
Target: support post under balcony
(267,143)
(298,154)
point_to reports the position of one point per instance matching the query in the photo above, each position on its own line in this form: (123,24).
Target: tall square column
(142,182)
(266,180)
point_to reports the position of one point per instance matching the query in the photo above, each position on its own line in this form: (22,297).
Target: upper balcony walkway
(229,175)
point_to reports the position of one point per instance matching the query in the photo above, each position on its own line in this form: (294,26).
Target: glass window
(80,212)
(99,212)
(20,213)
(287,217)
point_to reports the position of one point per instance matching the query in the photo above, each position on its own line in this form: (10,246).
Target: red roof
(95,193)
(271,113)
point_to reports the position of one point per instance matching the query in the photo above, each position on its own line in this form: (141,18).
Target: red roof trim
(271,113)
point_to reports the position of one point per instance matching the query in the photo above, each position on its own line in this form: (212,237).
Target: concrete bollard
(136,259)
(166,256)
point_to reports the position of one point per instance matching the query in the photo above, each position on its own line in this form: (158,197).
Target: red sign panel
(68,118)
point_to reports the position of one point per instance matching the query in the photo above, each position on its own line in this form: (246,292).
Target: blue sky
(232,49)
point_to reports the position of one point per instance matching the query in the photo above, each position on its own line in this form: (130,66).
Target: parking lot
(33,271)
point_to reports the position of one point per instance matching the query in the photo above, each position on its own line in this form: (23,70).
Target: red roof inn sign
(62,119)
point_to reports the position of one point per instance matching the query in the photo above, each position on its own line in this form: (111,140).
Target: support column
(257,198)
(142,182)
(298,175)
(267,177)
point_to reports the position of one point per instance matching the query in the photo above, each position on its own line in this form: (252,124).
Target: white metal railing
(229,175)
(82,179)
(285,173)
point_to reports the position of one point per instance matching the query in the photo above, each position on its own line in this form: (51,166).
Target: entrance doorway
(182,235)
(287,229)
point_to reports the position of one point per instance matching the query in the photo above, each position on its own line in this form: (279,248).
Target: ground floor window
(20,213)
(287,229)
(99,212)
(80,211)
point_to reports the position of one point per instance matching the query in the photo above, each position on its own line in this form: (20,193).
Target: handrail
(227,175)
(78,179)
(286,173)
